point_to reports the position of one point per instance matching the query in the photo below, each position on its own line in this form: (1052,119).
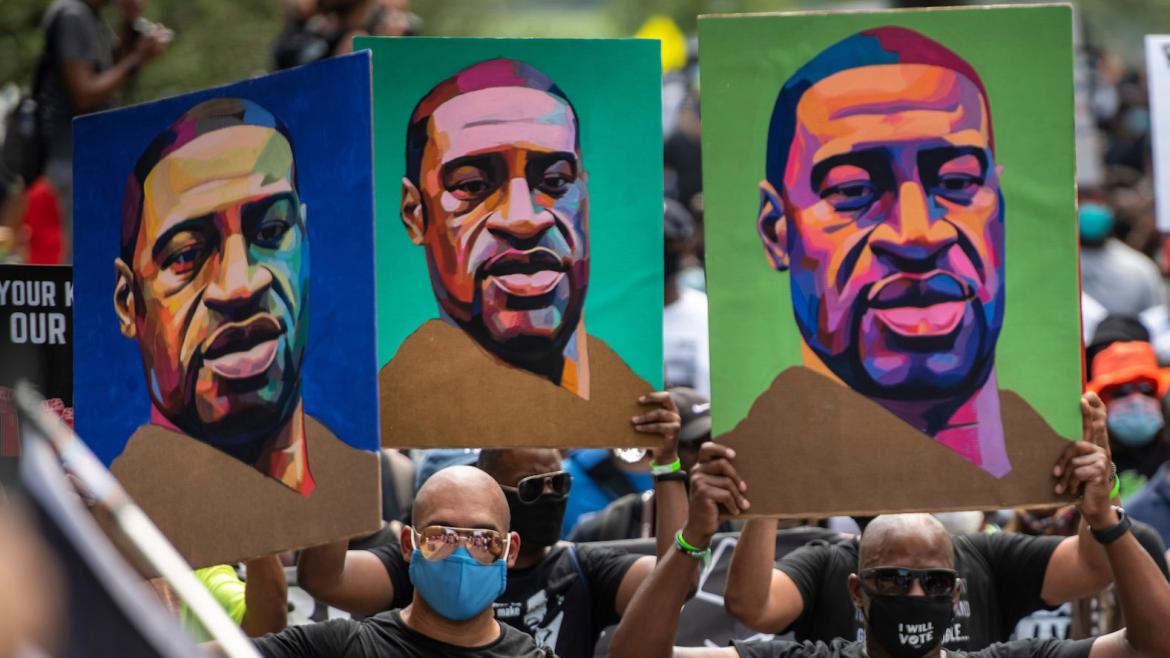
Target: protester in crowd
(685,353)
(82,73)
(564,595)
(316,29)
(682,156)
(1006,575)
(1152,504)
(601,477)
(458,550)
(1110,330)
(907,585)
(1117,276)
(1127,377)
(633,516)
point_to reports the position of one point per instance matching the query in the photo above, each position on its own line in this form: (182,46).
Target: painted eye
(469,183)
(848,187)
(270,232)
(557,178)
(958,187)
(849,196)
(184,260)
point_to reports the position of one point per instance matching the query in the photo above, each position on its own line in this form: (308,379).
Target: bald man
(905,584)
(1008,576)
(458,549)
(562,594)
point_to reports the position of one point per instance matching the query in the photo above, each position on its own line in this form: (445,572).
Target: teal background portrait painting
(606,217)
(1013,275)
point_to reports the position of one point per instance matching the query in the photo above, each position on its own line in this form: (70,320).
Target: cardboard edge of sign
(869,477)
(443,390)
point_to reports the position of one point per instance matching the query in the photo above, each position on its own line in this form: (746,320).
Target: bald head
(463,497)
(510,465)
(913,541)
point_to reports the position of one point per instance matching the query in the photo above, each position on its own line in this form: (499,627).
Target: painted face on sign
(217,291)
(504,218)
(890,220)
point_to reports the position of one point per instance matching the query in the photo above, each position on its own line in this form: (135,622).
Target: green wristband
(682,545)
(663,469)
(1116,487)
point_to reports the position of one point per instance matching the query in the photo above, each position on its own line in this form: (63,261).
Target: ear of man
(411,209)
(124,298)
(773,226)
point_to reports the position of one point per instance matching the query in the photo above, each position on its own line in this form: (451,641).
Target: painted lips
(239,350)
(525,274)
(920,306)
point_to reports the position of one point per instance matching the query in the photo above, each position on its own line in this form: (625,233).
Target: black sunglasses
(529,489)
(1129,388)
(896,581)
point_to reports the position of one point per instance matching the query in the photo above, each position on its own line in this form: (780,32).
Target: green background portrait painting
(767,399)
(592,215)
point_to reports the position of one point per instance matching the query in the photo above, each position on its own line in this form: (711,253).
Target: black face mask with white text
(908,626)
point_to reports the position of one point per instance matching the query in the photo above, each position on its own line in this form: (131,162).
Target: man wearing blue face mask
(1127,377)
(459,550)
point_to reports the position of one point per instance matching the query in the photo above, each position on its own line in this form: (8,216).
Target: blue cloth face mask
(1134,420)
(458,587)
(1096,222)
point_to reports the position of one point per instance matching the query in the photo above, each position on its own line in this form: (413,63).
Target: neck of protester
(480,630)
(530,556)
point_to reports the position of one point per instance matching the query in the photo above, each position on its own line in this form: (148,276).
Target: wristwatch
(1106,536)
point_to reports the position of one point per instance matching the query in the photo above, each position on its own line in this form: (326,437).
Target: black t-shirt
(564,602)
(1003,574)
(840,648)
(385,635)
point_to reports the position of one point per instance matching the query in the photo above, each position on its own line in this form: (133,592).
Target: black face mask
(908,626)
(539,522)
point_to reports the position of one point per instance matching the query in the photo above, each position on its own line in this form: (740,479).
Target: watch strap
(1106,536)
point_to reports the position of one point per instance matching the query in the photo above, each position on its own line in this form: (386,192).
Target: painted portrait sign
(519,239)
(226,358)
(893,265)
(1158,81)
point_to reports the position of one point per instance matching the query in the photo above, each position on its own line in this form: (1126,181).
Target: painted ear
(412,211)
(124,300)
(773,227)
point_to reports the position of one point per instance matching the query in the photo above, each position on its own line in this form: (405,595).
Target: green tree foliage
(216,42)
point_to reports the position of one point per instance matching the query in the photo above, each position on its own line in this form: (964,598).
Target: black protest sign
(36,328)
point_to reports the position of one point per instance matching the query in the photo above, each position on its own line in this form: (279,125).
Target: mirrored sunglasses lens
(437,542)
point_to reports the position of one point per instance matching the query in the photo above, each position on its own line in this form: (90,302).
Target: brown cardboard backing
(443,390)
(216,509)
(810,447)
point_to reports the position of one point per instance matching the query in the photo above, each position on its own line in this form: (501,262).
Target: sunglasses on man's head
(896,581)
(437,542)
(533,486)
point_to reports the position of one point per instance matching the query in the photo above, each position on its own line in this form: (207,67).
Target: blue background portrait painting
(224,291)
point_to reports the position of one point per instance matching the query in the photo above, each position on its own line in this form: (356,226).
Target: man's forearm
(649,623)
(319,569)
(1144,595)
(266,597)
(750,574)
(670,506)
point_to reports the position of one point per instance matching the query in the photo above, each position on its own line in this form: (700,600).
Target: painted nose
(517,216)
(238,282)
(909,239)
